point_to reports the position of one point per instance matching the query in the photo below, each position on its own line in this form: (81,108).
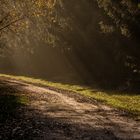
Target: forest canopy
(98,40)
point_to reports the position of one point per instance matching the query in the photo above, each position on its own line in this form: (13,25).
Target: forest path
(51,115)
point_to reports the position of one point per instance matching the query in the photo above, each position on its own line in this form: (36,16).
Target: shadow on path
(21,121)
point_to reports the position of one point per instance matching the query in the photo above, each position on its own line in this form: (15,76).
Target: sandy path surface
(57,115)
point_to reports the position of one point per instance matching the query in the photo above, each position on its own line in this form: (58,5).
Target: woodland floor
(31,112)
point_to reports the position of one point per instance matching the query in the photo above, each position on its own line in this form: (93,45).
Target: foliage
(99,38)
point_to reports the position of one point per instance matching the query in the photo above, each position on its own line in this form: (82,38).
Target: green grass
(9,104)
(126,101)
(10,101)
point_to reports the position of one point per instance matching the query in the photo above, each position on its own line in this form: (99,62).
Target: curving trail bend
(52,114)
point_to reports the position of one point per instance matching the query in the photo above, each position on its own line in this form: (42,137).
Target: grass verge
(11,100)
(129,102)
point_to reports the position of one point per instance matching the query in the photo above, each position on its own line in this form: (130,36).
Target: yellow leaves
(40,3)
(103,3)
(41,7)
(37,13)
(51,3)
(13,13)
(106,28)
(125,31)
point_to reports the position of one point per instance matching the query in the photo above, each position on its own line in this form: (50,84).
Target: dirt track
(52,115)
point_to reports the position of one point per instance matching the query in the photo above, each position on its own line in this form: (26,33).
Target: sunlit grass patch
(126,101)
(9,105)
(23,100)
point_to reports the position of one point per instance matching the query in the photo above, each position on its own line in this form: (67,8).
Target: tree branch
(4,17)
(9,24)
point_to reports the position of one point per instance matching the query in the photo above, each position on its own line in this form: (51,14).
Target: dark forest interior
(86,41)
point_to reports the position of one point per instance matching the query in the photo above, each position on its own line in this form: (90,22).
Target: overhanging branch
(11,23)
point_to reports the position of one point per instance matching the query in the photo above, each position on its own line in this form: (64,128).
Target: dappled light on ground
(48,114)
(84,56)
